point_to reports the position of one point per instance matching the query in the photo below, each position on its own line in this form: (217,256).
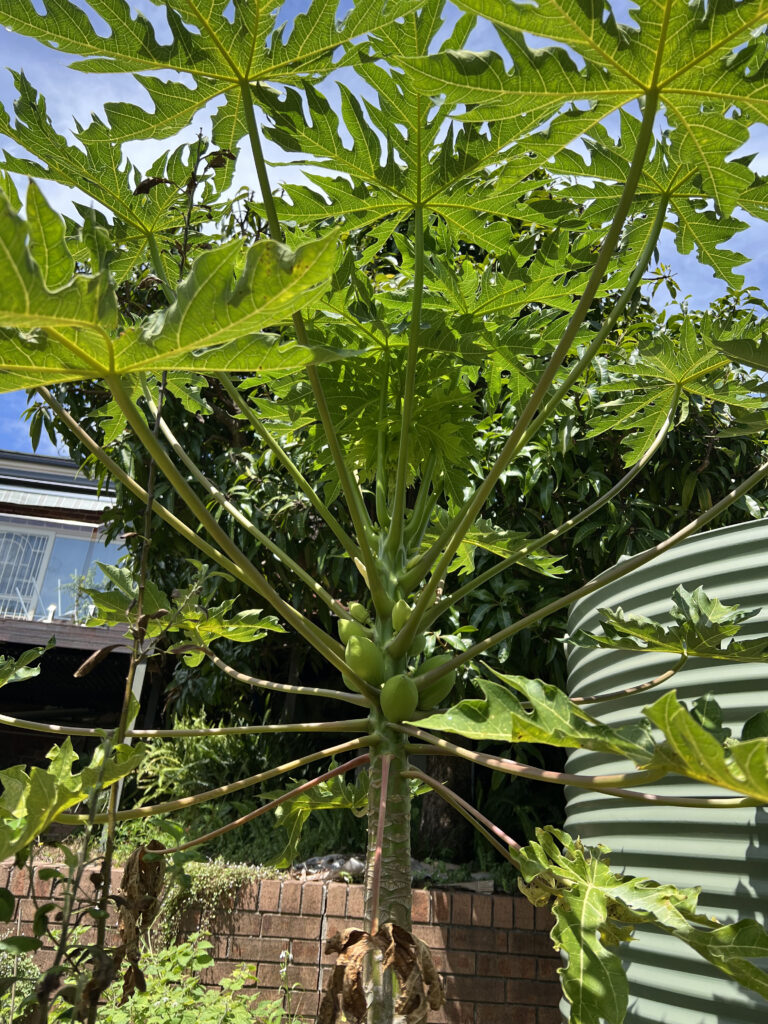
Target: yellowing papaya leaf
(30,802)
(691,749)
(596,909)
(551,718)
(71,332)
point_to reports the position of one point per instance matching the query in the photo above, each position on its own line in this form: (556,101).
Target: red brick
(44,959)
(431,934)
(290,927)
(303,1003)
(305,951)
(533,993)
(441,907)
(547,969)
(523,967)
(454,1013)
(466,988)
(246,950)
(220,944)
(539,944)
(270,977)
(6,867)
(189,921)
(213,975)
(462,908)
(440,960)
(269,895)
(336,900)
(330,926)
(42,887)
(420,906)
(523,913)
(498,965)
(458,961)
(481,910)
(245,922)
(490,1014)
(477,939)
(248,897)
(270,994)
(548,1015)
(355,903)
(19,884)
(503,911)
(313,898)
(290,900)
(544,919)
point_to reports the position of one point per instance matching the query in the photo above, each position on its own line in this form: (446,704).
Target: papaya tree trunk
(388,888)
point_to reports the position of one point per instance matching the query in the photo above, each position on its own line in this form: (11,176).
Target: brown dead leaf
(142,884)
(349,986)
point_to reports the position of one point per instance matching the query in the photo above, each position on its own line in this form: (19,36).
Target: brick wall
(493,952)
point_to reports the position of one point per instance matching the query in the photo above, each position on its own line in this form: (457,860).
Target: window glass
(22,561)
(71,567)
(43,569)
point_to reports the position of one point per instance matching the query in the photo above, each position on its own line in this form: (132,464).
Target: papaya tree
(468,222)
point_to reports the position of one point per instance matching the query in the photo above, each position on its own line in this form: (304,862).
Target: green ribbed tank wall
(723,851)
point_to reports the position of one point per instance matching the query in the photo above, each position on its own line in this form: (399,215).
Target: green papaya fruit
(399,698)
(359,611)
(439,690)
(349,628)
(400,614)
(365,659)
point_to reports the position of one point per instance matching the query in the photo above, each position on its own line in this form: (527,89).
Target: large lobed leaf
(30,802)
(550,717)
(682,53)
(596,910)
(703,628)
(689,748)
(71,332)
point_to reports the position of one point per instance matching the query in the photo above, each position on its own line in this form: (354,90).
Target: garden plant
(472,226)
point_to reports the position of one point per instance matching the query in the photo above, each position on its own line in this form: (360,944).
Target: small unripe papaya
(399,698)
(359,611)
(400,614)
(365,659)
(439,690)
(349,628)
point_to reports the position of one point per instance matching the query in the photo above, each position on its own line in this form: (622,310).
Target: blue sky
(70,96)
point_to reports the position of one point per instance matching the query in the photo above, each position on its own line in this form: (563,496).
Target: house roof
(50,487)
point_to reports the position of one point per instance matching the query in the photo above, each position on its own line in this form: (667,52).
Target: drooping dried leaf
(141,885)
(349,988)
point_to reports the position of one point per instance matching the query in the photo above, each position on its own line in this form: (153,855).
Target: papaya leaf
(30,802)
(703,628)
(691,749)
(333,794)
(596,909)
(665,372)
(71,333)
(552,718)
(219,54)
(503,543)
(13,670)
(682,52)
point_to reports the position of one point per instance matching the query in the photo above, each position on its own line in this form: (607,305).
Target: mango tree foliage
(471,227)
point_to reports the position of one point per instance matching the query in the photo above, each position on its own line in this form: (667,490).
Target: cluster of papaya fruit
(400,695)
